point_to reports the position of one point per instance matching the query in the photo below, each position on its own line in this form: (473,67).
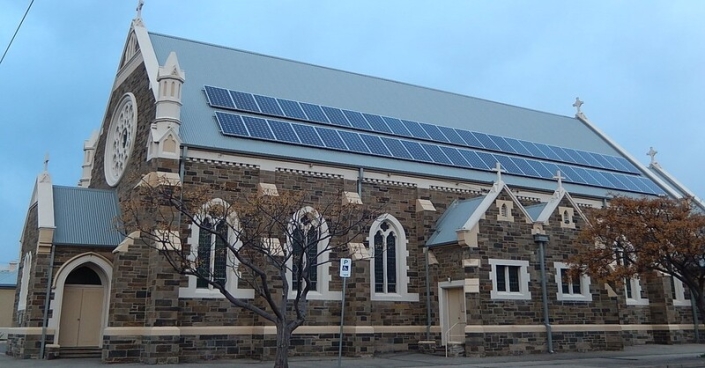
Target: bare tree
(637,237)
(275,245)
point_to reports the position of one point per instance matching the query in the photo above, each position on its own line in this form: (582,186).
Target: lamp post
(541,240)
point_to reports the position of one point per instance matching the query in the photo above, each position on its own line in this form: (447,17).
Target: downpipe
(542,239)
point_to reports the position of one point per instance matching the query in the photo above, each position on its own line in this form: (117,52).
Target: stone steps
(80,352)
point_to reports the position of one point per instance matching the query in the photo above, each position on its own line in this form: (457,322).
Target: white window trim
(524,279)
(584,296)
(636,298)
(402,253)
(679,290)
(231,277)
(324,275)
(24,283)
(567,213)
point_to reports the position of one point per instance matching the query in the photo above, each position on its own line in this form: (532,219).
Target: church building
(479,197)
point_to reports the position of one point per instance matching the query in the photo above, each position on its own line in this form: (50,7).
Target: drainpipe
(50,275)
(541,240)
(360,177)
(428,297)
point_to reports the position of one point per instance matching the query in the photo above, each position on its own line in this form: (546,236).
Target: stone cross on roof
(140,4)
(499,170)
(46,162)
(577,105)
(652,152)
(560,179)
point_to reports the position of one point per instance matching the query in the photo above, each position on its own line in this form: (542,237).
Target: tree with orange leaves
(636,237)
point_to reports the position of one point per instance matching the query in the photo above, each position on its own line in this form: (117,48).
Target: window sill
(395,297)
(637,301)
(574,298)
(315,295)
(214,294)
(504,295)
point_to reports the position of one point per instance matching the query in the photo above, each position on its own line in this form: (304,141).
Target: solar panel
(455,157)
(231,124)
(507,164)
(331,138)
(470,139)
(292,109)
(356,120)
(335,116)
(628,165)
(452,135)
(601,160)
(219,97)
(547,151)
(540,169)
(652,186)
(257,127)
(353,141)
(587,157)
(486,141)
(244,101)
(489,160)
(535,151)
(587,176)
(268,105)
(575,156)
(416,151)
(501,143)
(434,132)
(565,157)
(517,146)
(436,154)
(397,127)
(377,123)
(396,148)
(375,144)
(415,129)
(307,134)
(525,167)
(474,160)
(615,163)
(283,131)
(314,113)
(570,174)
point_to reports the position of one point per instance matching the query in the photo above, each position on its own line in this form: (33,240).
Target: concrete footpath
(651,356)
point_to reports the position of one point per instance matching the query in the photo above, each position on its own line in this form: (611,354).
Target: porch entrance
(81,309)
(453,316)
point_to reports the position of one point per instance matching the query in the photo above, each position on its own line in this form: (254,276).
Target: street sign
(345,267)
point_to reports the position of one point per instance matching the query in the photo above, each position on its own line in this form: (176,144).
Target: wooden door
(81,316)
(455,312)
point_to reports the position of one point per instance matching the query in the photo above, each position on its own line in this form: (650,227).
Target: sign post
(345,271)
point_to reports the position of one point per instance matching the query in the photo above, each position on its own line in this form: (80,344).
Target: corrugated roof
(8,279)
(207,64)
(453,219)
(85,216)
(535,210)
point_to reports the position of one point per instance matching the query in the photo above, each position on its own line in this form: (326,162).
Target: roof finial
(577,105)
(652,152)
(560,179)
(46,161)
(499,170)
(140,4)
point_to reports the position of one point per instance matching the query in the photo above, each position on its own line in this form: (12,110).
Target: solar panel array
(346,130)
(359,142)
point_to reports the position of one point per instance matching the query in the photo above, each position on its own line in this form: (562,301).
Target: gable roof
(248,72)
(553,203)
(85,217)
(452,220)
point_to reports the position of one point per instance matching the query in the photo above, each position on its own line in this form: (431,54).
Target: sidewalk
(644,356)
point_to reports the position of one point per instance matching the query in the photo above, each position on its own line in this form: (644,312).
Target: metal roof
(85,217)
(535,210)
(8,279)
(453,219)
(207,64)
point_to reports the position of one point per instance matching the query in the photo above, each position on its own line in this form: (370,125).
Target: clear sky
(638,65)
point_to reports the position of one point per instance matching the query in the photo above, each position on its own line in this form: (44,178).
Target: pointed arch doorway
(82,309)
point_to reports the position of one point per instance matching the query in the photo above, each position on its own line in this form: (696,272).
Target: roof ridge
(359,74)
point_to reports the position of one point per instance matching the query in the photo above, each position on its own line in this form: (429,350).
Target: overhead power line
(17,30)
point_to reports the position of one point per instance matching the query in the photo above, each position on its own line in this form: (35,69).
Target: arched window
(388,246)
(212,252)
(213,238)
(503,210)
(307,249)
